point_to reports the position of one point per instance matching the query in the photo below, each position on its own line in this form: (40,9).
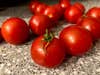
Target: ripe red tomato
(72,14)
(64,3)
(92,25)
(40,8)
(52,12)
(15,31)
(94,12)
(39,24)
(33,5)
(47,53)
(80,6)
(76,40)
(60,10)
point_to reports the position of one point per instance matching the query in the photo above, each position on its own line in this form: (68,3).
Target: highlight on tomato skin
(33,5)
(94,12)
(52,13)
(77,40)
(80,6)
(40,8)
(65,4)
(47,53)
(15,31)
(37,7)
(72,14)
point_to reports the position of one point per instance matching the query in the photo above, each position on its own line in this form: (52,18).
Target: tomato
(40,8)
(52,12)
(15,31)
(94,12)
(47,53)
(76,40)
(92,25)
(72,14)
(39,23)
(59,9)
(64,3)
(33,5)
(80,6)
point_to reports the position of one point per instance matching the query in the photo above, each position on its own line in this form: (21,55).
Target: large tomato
(76,40)
(47,52)
(39,23)
(15,31)
(92,25)
(72,14)
(94,12)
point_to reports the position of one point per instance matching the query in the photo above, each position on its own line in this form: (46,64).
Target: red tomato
(72,14)
(80,19)
(65,3)
(76,40)
(94,12)
(33,5)
(40,8)
(92,25)
(52,12)
(59,9)
(39,24)
(47,53)
(15,31)
(80,6)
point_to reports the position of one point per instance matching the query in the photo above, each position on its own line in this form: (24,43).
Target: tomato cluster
(48,50)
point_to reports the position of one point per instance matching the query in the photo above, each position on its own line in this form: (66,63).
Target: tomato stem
(48,36)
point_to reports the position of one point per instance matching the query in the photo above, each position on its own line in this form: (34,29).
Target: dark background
(6,3)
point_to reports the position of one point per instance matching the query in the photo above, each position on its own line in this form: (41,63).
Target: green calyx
(48,36)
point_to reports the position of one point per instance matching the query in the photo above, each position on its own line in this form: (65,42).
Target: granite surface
(16,60)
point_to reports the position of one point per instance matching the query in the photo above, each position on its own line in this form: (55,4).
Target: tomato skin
(40,8)
(48,55)
(39,23)
(15,31)
(80,6)
(60,10)
(33,5)
(92,25)
(51,12)
(65,4)
(76,40)
(94,12)
(72,14)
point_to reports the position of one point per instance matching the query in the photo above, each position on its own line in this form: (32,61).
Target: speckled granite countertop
(16,60)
